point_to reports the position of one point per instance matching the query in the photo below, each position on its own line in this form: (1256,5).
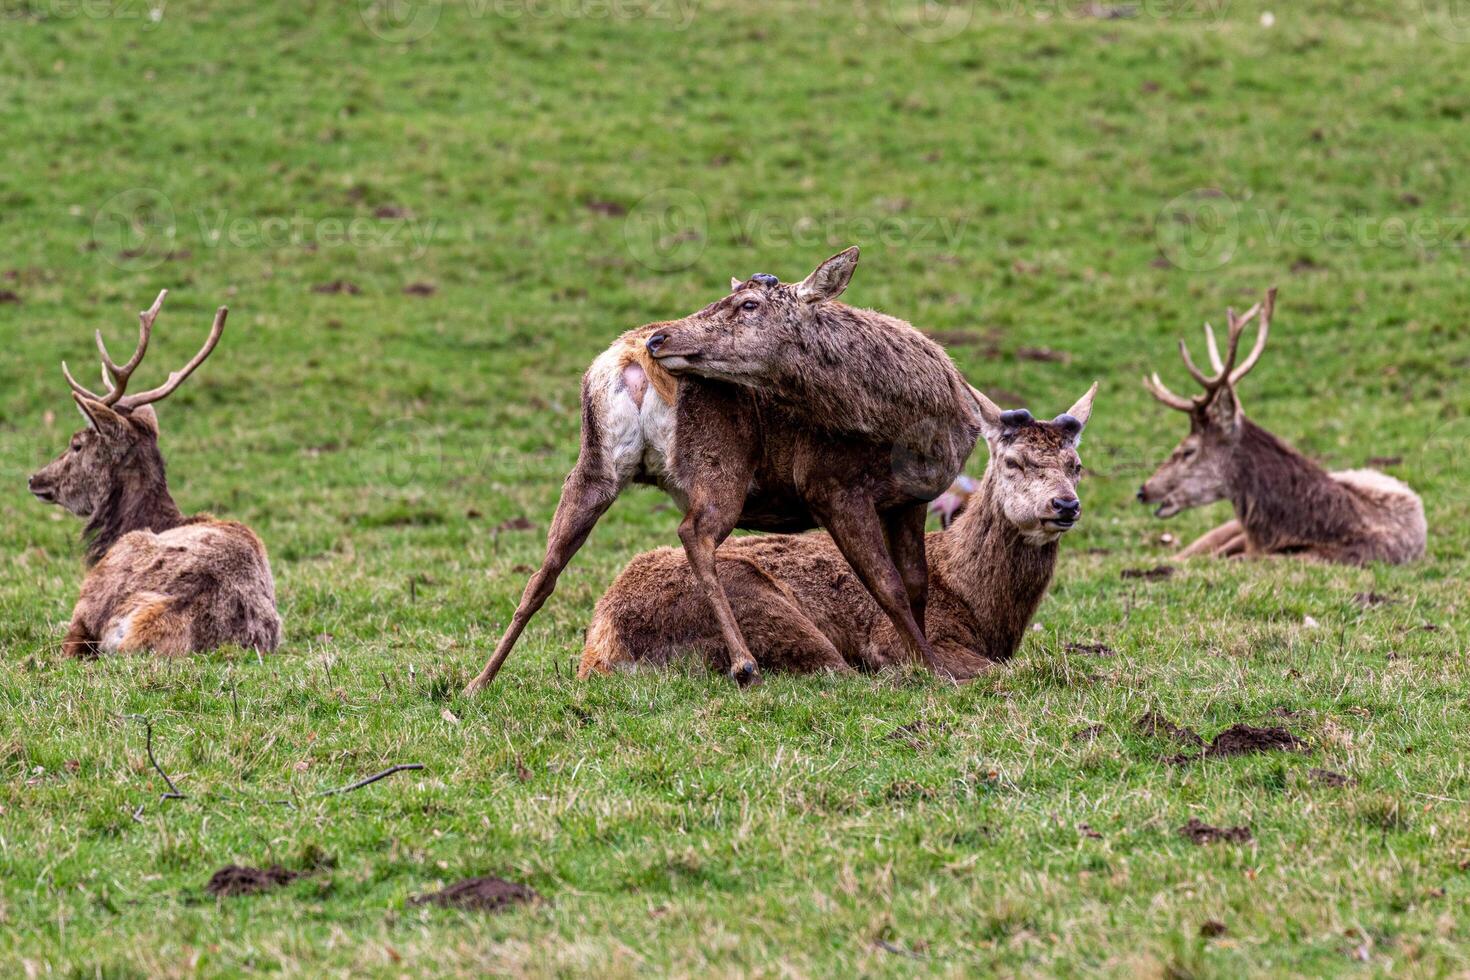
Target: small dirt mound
(1154,574)
(1156,725)
(1091,649)
(486,894)
(1211,928)
(1326,777)
(1197,832)
(1248,740)
(235,879)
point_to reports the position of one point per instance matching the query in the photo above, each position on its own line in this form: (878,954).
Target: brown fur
(157,580)
(734,455)
(1284,503)
(802,609)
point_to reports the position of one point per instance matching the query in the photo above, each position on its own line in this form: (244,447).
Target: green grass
(1008,185)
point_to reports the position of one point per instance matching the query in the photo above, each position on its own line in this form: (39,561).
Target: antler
(116,376)
(1226,373)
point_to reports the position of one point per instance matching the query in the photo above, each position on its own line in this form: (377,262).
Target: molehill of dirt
(486,894)
(235,879)
(1202,833)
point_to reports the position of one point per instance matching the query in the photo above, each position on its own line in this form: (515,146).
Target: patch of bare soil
(1092,649)
(235,879)
(1088,734)
(1157,573)
(338,286)
(1211,928)
(488,894)
(1248,740)
(1326,777)
(1197,832)
(420,289)
(1156,725)
(1370,599)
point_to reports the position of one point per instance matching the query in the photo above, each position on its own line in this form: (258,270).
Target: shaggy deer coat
(1285,504)
(732,454)
(157,580)
(802,609)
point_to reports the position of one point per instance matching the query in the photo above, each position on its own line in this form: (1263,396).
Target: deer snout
(656,341)
(1068,508)
(39,486)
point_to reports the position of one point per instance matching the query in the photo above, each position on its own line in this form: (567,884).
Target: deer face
(1197,471)
(99,458)
(1035,468)
(757,327)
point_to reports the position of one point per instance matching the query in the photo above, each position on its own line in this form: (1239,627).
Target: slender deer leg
(713,513)
(857,531)
(1210,541)
(584,499)
(905,532)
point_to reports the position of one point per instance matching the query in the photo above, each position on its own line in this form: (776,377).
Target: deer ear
(735,283)
(830,278)
(103,420)
(1074,419)
(991,426)
(146,415)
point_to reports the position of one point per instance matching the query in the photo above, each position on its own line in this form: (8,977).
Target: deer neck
(1284,499)
(139,501)
(991,568)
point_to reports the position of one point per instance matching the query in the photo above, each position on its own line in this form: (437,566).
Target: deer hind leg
(152,624)
(1211,542)
(857,531)
(584,499)
(904,528)
(783,637)
(714,510)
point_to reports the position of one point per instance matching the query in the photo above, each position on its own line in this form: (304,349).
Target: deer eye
(1014,464)
(1186,453)
(749,304)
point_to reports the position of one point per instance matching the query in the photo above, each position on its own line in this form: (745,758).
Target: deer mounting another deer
(774,408)
(157,580)
(801,608)
(1284,503)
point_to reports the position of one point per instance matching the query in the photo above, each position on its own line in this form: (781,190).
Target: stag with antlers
(1284,503)
(157,580)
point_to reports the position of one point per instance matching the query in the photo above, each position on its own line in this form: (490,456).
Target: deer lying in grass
(790,411)
(802,610)
(1284,503)
(158,580)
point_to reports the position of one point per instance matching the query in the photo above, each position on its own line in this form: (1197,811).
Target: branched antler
(117,376)
(1226,373)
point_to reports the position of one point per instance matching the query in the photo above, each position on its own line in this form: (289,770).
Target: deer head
(1034,466)
(118,448)
(1197,471)
(759,324)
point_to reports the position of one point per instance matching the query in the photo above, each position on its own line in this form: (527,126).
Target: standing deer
(157,580)
(1284,503)
(801,609)
(775,409)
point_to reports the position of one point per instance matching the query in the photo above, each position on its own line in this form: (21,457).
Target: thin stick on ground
(370,779)
(173,791)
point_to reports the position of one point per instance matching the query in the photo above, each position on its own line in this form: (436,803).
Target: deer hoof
(746,675)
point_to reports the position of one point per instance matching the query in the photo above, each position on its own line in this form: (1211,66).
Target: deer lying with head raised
(1284,503)
(157,580)
(774,408)
(801,609)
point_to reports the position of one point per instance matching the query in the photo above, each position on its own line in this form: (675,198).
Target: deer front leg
(584,499)
(713,513)
(905,531)
(79,641)
(1211,542)
(857,531)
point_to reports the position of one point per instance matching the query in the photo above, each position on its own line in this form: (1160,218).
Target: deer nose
(1143,495)
(656,341)
(1067,507)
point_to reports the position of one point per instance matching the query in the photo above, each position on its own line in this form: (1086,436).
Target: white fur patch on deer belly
(657,420)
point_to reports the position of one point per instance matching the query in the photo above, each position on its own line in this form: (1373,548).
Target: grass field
(427,219)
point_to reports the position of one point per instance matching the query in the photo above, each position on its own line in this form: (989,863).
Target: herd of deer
(775,408)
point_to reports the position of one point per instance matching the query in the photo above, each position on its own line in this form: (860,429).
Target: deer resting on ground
(801,608)
(157,580)
(1284,503)
(774,408)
